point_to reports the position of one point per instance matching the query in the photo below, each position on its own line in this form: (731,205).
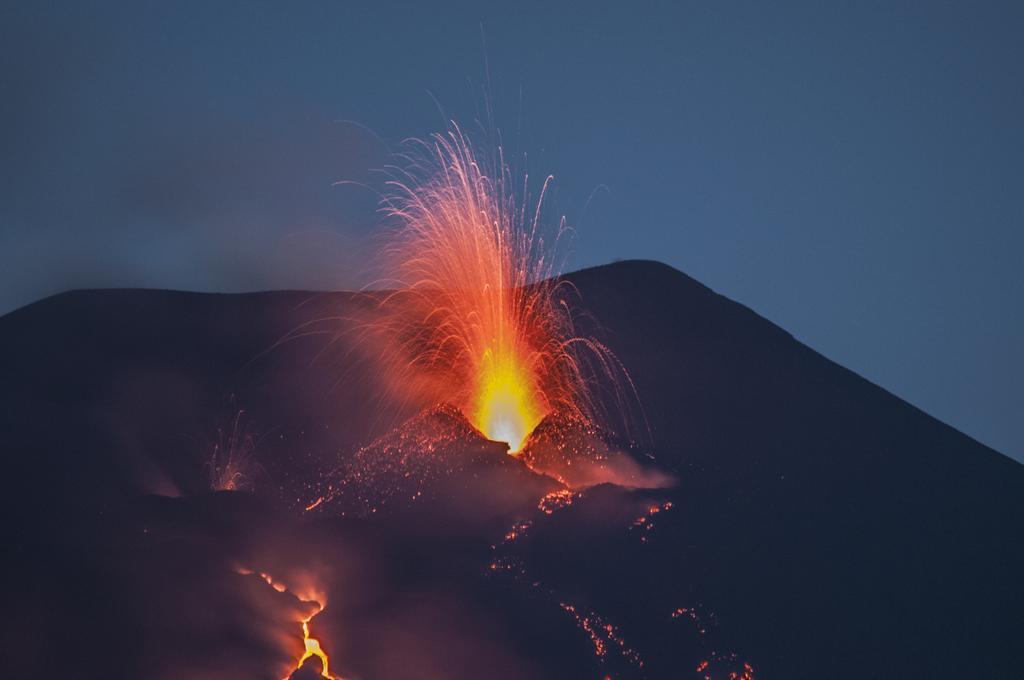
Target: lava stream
(313,649)
(311,644)
(603,635)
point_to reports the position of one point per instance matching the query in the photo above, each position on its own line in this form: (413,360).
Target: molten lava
(311,645)
(479,318)
(313,649)
(505,410)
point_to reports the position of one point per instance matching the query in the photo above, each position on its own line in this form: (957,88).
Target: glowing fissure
(232,461)
(505,410)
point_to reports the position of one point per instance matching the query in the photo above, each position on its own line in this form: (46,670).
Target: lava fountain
(478,317)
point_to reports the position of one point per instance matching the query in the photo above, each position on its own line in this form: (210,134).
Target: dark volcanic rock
(579,454)
(819,525)
(435,458)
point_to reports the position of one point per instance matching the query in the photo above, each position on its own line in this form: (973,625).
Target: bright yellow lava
(506,405)
(313,649)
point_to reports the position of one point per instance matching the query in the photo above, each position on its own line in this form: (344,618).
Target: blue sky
(852,171)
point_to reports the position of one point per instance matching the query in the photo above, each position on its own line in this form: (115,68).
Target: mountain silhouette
(815,525)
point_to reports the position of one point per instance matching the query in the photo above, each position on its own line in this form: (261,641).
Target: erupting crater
(505,410)
(479,316)
(435,460)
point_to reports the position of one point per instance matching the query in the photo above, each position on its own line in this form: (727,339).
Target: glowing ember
(419,463)
(478,318)
(646,523)
(556,500)
(602,634)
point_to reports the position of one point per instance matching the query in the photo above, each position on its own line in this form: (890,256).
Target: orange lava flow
(311,645)
(478,318)
(313,649)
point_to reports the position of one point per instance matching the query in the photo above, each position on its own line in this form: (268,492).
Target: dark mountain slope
(847,526)
(831,528)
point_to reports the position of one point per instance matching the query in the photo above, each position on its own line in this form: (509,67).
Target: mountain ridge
(829,526)
(304,297)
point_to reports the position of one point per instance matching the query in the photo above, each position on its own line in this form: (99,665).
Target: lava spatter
(435,458)
(714,665)
(479,316)
(645,523)
(579,453)
(603,635)
(233,460)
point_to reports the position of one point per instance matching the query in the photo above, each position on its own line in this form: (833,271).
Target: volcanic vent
(435,460)
(479,318)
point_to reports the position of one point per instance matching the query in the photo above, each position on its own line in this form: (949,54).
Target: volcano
(784,518)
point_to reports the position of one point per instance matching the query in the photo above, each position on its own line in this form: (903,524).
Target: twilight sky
(854,171)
